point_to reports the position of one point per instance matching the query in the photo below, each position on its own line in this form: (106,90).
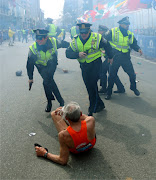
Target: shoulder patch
(30,53)
(107,33)
(104,40)
(76,36)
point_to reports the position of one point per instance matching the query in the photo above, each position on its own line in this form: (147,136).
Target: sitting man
(76,133)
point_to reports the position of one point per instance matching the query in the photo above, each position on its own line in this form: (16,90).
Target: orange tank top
(80,139)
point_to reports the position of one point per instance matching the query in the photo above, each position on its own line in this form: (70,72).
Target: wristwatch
(45,155)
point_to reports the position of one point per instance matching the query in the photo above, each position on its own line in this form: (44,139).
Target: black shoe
(102,91)
(100,108)
(120,91)
(136,92)
(48,107)
(108,97)
(90,114)
(62,103)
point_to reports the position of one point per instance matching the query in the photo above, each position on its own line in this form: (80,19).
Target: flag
(154,4)
(147,2)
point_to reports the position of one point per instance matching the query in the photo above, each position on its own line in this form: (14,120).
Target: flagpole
(152,17)
(148,19)
(142,19)
(137,21)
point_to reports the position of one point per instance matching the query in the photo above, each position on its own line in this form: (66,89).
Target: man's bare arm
(60,159)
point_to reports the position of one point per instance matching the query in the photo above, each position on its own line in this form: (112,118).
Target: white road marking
(144,59)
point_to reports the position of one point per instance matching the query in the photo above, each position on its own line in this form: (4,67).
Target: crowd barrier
(147,44)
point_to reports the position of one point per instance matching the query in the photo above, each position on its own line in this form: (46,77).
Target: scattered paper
(32,134)
(65,70)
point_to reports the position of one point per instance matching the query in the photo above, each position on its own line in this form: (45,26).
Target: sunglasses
(84,32)
(39,37)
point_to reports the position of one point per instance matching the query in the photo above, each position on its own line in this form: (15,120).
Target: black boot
(120,91)
(90,114)
(100,108)
(48,107)
(62,103)
(136,92)
(108,97)
(102,91)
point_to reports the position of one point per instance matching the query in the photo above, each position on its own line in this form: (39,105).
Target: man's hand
(82,54)
(58,111)
(103,51)
(30,83)
(40,151)
(140,51)
(110,61)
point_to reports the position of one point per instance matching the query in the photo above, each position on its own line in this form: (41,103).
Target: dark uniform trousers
(124,60)
(103,77)
(90,75)
(47,73)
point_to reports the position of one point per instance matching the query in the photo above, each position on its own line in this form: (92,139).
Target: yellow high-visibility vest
(52,30)
(44,57)
(73,31)
(91,47)
(120,42)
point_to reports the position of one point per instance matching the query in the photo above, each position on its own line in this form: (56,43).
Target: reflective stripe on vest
(73,31)
(91,46)
(42,57)
(120,42)
(52,30)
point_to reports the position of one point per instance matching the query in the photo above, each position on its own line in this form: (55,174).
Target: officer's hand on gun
(30,83)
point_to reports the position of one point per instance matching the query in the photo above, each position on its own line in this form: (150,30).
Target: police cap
(49,19)
(84,27)
(41,32)
(124,20)
(103,28)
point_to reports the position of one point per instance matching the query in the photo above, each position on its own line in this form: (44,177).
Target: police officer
(54,30)
(74,31)
(43,55)
(64,33)
(24,35)
(122,40)
(86,49)
(105,68)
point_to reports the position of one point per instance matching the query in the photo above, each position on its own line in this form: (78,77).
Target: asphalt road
(126,129)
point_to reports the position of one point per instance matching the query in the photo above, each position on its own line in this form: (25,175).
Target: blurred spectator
(19,34)
(10,33)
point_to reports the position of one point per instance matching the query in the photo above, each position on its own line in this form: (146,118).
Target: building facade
(19,14)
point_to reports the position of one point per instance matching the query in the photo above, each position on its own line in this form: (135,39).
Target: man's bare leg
(58,122)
